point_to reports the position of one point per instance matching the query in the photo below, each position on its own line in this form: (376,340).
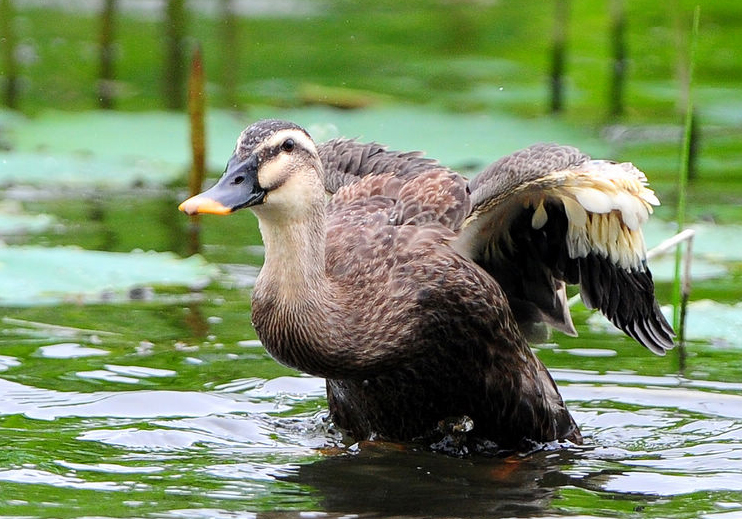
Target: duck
(414,292)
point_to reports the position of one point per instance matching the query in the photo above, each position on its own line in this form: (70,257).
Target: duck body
(390,290)
(457,355)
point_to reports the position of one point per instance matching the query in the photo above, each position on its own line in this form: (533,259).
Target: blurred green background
(96,99)
(621,66)
(474,57)
(132,383)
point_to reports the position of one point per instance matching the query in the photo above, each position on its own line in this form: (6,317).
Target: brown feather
(410,295)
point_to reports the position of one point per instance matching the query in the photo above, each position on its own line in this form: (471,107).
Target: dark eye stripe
(267,154)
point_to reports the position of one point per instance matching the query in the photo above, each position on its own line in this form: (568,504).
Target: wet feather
(413,287)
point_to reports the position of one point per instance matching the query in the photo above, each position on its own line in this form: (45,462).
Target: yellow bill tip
(203,205)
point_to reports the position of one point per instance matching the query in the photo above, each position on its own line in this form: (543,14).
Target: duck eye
(288,145)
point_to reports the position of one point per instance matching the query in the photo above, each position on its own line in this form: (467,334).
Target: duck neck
(305,318)
(294,266)
(294,302)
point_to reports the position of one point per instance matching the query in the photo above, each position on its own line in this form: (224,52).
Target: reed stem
(680,296)
(196,113)
(7,32)
(175,59)
(107,57)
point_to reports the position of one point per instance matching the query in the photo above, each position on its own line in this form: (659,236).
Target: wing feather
(550,215)
(345,161)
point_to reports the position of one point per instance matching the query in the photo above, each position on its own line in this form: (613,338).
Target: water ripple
(42,477)
(45,404)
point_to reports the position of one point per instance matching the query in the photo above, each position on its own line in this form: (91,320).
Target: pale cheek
(284,196)
(274,173)
(290,201)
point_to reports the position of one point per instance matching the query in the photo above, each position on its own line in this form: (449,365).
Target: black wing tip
(626,297)
(654,333)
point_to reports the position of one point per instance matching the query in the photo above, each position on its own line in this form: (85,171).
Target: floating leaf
(82,170)
(706,320)
(24,223)
(107,148)
(717,322)
(711,249)
(457,140)
(38,275)
(118,149)
(663,269)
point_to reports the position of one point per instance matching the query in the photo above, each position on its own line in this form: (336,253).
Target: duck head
(275,166)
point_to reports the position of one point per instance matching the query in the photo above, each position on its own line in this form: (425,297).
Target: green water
(168,406)
(139,389)
(131,381)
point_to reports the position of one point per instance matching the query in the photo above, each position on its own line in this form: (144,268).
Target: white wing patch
(606,205)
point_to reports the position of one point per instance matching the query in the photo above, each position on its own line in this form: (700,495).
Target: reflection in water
(106,408)
(390,480)
(643,446)
(252,444)
(195,321)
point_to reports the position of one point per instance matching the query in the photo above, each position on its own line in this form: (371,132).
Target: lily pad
(715,241)
(663,269)
(465,141)
(161,136)
(83,170)
(711,249)
(103,148)
(40,276)
(711,241)
(24,223)
(706,321)
(717,322)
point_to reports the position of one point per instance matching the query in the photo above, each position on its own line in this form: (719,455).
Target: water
(197,431)
(166,405)
(140,390)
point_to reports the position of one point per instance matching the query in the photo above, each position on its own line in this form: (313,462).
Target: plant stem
(678,296)
(558,42)
(107,58)
(196,112)
(7,32)
(175,67)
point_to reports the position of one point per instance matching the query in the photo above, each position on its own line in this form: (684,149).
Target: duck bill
(237,188)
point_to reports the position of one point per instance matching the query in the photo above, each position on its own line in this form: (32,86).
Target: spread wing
(549,215)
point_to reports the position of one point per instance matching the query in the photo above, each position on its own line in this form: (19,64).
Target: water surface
(132,384)
(160,402)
